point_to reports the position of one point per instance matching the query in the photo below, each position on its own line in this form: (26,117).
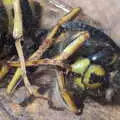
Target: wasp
(83,62)
(92,65)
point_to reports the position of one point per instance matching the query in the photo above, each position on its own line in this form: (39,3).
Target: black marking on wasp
(80,26)
(99,79)
(98,37)
(99,44)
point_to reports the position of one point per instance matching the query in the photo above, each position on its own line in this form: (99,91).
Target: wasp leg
(72,47)
(64,94)
(49,39)
(46,44)
(37,62)
(18,34)
(3,71)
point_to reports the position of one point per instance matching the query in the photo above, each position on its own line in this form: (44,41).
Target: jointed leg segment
(46,44)
(34,58)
